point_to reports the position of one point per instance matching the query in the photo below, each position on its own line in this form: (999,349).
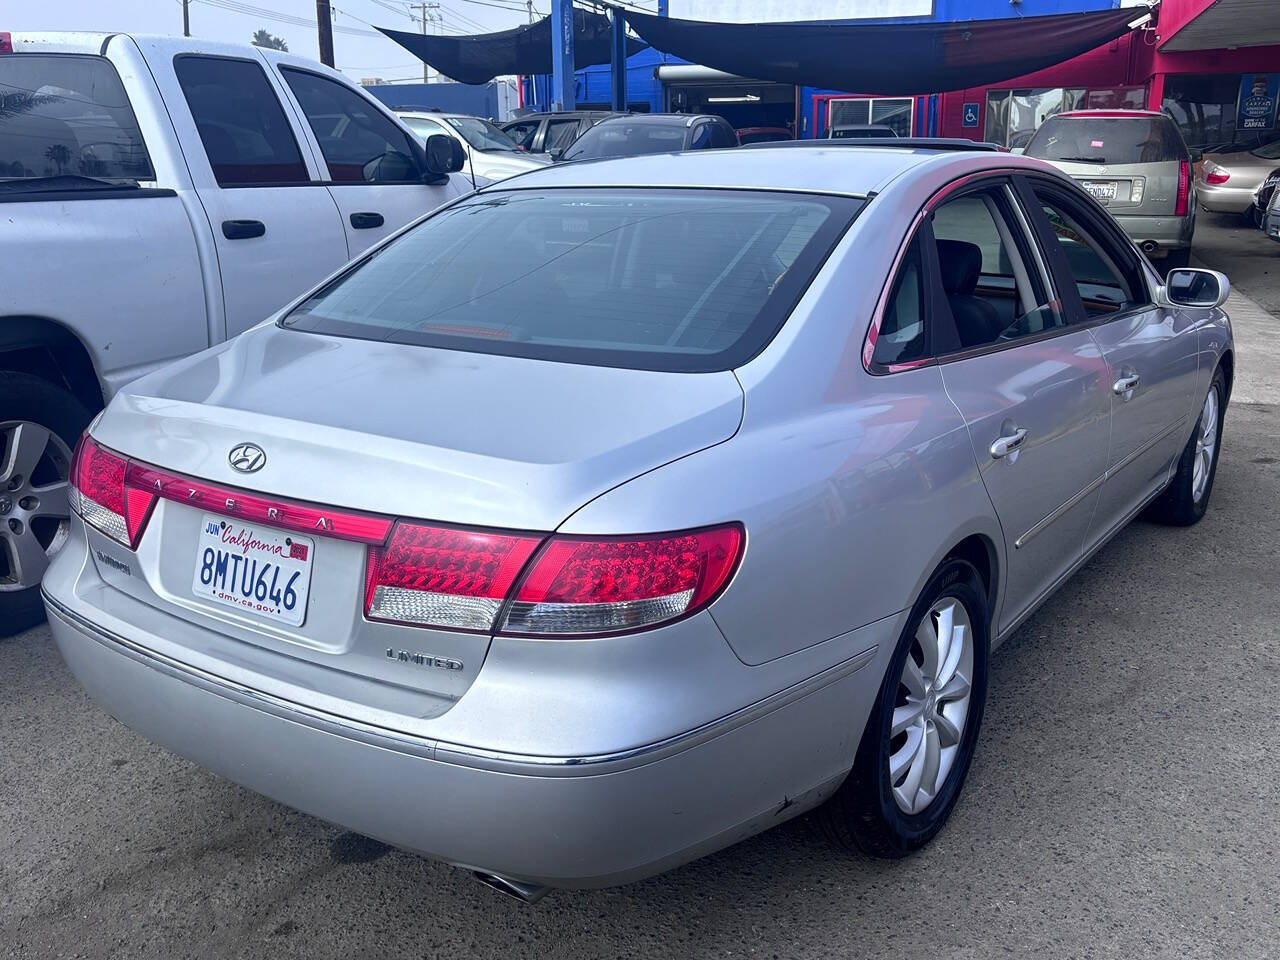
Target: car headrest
(960,264)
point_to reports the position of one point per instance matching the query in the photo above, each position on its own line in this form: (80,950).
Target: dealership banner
(1259,93)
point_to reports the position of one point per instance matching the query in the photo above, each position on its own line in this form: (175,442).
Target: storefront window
(1013,116)
(893,112)
(1204,107)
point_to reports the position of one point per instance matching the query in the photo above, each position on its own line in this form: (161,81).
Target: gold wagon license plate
(256,569)
(1105,190)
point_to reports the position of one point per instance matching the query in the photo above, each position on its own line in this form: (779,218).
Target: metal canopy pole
(618,59)
(562,79)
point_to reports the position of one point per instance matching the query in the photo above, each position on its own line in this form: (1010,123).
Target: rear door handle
(366,221)
(1125,385)
(1003,446)
(243,229)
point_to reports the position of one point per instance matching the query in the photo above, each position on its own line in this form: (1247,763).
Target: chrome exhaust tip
(1149,246)
(527,893)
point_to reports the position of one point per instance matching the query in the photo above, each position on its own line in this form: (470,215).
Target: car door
(374,168)
(1151,351)
(275,228)
(1032,388)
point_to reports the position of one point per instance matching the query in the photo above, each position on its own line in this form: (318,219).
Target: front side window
(522,133)
(561,133)
(65,115)
(242,126)
(688,280)
(360,144)
(1106,285)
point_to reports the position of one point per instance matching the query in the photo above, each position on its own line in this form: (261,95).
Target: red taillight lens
(6,43)
(98,492)
(1217,177)
(580,585)
(444,577)
(1184,188)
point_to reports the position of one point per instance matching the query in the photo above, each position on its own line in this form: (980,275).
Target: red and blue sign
(1259,93)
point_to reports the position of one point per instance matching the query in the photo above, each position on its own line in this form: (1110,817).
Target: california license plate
(1103,190)
(256,569)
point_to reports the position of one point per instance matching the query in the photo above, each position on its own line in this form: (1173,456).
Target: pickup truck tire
(39,427)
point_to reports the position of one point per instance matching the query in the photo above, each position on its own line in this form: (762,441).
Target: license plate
(252,568)
(1105,190)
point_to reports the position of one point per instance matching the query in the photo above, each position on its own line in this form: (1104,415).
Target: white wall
(761,11)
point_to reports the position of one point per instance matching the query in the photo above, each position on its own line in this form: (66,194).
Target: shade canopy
(897,59)
(481,57)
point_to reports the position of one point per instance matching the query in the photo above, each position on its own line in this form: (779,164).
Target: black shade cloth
(898,59)
(527,49)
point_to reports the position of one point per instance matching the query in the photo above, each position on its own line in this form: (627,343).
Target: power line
(265,13)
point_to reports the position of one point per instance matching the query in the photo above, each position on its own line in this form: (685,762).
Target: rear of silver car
(355,575)
(1136,164)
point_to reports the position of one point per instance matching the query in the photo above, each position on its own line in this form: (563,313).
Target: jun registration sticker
(256,569)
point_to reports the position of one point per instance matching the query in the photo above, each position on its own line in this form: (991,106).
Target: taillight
(591,585)
(99,494)
(6,43)
(442,576)
(1184,188)
(1215,175)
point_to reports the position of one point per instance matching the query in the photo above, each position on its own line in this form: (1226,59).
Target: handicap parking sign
(971,114)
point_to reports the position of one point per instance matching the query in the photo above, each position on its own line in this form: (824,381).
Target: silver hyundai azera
(624,509)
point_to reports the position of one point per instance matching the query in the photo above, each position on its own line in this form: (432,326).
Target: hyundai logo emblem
(247,457)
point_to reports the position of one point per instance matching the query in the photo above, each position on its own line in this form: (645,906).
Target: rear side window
(1111,140)
(561,133)
(67,115)
(245,133)
(360,144)
(688,280)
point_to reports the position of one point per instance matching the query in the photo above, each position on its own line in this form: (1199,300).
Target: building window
(894,112)
(1204,106)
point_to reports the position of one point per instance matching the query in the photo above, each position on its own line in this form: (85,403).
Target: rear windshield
(684,280)
(67,115)
(623,139)
(1108,140)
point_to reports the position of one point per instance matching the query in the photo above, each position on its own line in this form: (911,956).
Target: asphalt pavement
(1125,799)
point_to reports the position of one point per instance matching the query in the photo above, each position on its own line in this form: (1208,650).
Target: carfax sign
(1258,95)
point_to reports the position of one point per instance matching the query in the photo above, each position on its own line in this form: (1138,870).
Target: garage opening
(757,109)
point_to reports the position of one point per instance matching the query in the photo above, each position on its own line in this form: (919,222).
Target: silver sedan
(625,509)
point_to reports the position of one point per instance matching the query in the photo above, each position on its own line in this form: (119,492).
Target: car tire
(32,412)
(869,812)
(1177,259)
(1186,499)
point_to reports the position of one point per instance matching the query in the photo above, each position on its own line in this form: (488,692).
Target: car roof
(839,170)
(677,118)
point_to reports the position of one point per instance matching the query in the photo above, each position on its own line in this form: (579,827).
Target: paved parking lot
(1125,801)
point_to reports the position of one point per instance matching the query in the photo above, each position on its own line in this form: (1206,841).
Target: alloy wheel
(932,705)
(1206,444)
(35,510)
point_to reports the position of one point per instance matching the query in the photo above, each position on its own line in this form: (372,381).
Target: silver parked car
(1136,164)
(586,527)
(1229,177)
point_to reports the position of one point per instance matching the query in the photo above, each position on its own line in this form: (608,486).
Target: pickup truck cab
(159,195)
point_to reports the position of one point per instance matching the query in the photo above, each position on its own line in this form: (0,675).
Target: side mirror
(556,154)
(444,156)
(1190,287)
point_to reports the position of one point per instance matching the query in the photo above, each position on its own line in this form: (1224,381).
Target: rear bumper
(1271,224)
(553,821)
(1166,233)
(1223,198)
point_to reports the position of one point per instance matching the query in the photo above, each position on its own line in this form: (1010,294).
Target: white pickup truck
(157,196)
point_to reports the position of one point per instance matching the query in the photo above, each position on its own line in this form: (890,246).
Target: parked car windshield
(481,134)
(1140,139)
(67,116)
(687,280)
(624,138)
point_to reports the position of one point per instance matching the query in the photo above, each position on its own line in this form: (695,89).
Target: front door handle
(366,221)
(1003,446)
(243,229)
(1125,385)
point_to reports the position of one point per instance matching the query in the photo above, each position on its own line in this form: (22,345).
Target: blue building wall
(592,83)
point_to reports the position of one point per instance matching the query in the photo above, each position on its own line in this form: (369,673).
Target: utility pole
(529,5)
(186,18)
(324,26)
(427,13)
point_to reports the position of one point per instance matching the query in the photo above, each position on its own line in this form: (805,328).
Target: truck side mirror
(444,156)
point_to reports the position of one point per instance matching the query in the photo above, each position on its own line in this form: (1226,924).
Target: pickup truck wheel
(40,425)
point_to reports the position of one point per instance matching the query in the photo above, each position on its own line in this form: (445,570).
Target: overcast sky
(363,54)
